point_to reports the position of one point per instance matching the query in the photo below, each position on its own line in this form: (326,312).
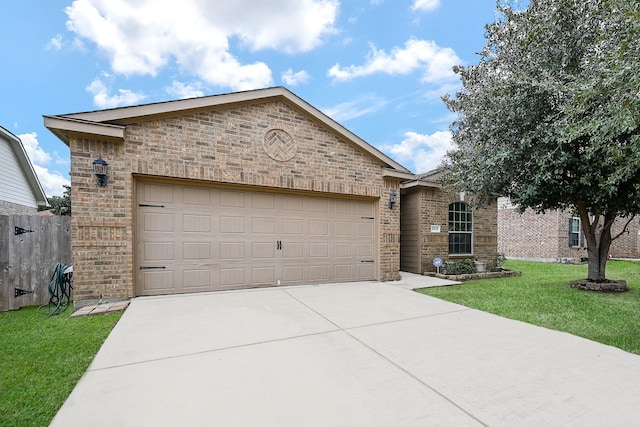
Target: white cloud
(421,152)
(294,79)
(31,145)
(435,62)
(51,181)
(183,91)
(55,43)
(102,98)
(425,5)
(142,37)
(360,107)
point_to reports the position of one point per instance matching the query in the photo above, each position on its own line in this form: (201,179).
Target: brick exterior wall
(434,210)
(546,236)
(8,208)
(219,146)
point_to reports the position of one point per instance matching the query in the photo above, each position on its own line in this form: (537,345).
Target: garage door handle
(151,267)
(144,205)
(279,245)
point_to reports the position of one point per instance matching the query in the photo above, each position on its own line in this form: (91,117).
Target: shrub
(497,263)
(461,267)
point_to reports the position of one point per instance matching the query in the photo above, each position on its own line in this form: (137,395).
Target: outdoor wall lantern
(392,199)
(100,169)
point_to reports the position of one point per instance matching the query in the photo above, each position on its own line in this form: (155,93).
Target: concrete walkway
(357,354)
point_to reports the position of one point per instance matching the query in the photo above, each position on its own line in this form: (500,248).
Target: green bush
(497,263)
(461,267)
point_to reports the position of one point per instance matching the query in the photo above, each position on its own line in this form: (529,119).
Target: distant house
(439,223)
(20,189)
(556,235)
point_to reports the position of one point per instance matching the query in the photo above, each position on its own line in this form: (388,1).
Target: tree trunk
(598,237)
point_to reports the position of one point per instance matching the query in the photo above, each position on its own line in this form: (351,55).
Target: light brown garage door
(192,238)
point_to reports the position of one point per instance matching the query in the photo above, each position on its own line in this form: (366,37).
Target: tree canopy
(61,205)
(550,116)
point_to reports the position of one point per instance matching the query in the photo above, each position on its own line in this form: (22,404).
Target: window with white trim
(460,229)
(575,232)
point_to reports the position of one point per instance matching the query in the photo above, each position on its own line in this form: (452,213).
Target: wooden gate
(30,248)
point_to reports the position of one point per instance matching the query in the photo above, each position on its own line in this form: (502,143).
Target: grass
(41,360)
(543,296)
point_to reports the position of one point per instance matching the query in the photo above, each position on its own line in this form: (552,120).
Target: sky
(378,67)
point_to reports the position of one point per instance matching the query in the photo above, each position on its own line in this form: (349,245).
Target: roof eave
(27,167)
(64,127)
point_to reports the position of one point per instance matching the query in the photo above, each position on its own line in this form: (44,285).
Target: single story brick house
(232,191)
(20,189)
(555,235)
(439,223)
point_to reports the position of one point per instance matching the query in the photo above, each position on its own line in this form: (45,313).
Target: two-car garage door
(192,238)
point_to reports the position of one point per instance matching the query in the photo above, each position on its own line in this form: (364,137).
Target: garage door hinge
(367,260)
(151,267)
(368,217)
(142,205)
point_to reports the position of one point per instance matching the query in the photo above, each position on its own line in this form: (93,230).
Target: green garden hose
(60,289)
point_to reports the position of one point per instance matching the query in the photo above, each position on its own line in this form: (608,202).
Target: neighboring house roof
(427,179)
(22,186)
(110,124)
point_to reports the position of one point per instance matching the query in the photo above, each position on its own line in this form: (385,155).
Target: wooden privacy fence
(30,248)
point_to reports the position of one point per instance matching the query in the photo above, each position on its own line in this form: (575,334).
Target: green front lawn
(542,296)
(41,360)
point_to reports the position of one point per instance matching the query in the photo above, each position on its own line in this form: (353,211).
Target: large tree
(550,115)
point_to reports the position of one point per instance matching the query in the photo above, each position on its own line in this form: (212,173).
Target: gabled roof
(25,165)
(111,123)
(427,179)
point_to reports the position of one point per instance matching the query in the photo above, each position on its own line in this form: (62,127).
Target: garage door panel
(197,196)
(365,229)
(159,280)
(364,250)
(196,279)
(230,277)
(196,223)
(364,271)
(263,226)
(293,250)
(318,205)
(318,228)
(193,251)
(156,251)
(318,250)
(263,201)
(343,272)
(213,238)
(263,276)
(232,224)
(365,208)
(318,273)
(159,193)
(293,274)
(154,221)
(343,250)
(232,250)
(293,227)
(263,250)
(343,228)
(232,198)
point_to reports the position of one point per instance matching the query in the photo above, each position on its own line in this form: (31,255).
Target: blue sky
(379,67)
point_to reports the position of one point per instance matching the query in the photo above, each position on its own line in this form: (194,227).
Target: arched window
(460,229)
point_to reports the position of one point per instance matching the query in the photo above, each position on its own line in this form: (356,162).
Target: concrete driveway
(358,354)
